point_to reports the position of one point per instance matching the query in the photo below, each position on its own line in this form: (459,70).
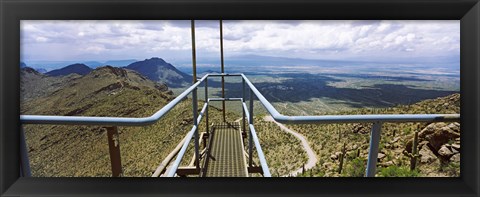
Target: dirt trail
(312,157)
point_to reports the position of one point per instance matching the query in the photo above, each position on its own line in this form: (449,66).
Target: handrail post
(223,70)
(206,101)
(373,152)
(114,150)
(243,110)
(24,161)
(250,141)
(195,124)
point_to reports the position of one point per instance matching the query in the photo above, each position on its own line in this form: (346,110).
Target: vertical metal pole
(243,110)
(114,149)
(194,97)
(250,141)
(194,55)
(195,123)
(223,71)
(373,152)
(24,161)
(206,100)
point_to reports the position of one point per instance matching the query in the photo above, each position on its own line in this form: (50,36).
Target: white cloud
(304,39)
(41,39)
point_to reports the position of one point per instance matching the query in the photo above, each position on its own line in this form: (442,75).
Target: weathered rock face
(426,155)
(381,156)
(442,140)
(445,152)
(442,134)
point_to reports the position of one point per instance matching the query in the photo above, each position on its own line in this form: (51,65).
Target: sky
(59,40)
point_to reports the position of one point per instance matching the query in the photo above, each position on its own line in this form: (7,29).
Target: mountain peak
(158,70)
(29,70)
(77,68)
(155,58)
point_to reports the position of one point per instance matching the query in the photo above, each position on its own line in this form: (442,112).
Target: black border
(12,11)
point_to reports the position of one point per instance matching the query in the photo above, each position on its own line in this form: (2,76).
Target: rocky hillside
(437,150)
(68,150)
(156,69)
(34,84)
(98,88)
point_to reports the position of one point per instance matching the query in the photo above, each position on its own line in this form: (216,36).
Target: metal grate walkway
(226,156)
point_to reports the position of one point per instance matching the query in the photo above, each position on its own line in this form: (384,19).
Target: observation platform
(225,156)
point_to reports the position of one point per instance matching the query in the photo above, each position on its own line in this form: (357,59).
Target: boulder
(455,158)
(381,156)
(454,151)
(361,128)
(430,129)
(426,155)
(436,135)
(389,163)
(445,152)
(441,137)
(456,146)
(333,157)
(354,147)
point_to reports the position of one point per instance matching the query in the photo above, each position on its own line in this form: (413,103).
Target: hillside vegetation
(67,150)
(342,149)
(283,151)
(437,152)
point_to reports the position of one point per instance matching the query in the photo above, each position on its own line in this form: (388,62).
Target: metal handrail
(348,118)
(376,119)
(113,121)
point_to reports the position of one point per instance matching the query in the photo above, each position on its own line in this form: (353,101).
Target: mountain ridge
(77,68)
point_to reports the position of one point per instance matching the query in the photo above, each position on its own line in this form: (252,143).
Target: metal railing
(376,120)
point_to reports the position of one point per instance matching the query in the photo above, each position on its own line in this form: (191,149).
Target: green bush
(452,169)
(395,171)
(356,167)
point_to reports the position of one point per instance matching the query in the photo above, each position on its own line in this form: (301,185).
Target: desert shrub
(356,168)
(396,171)
(452,169)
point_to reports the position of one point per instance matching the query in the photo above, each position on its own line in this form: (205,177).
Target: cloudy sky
(171,40)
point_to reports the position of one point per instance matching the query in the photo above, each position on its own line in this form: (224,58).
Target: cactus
(339,135)
(342,156)
(414,154)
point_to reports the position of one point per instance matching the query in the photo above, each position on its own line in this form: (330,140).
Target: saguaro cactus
(342,156)
(414,153)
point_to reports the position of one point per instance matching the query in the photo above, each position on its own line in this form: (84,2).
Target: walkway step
(226,158)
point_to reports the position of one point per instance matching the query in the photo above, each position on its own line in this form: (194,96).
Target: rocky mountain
(84,93)
(157,69)
(22,65)
(80,69)
(34,84)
